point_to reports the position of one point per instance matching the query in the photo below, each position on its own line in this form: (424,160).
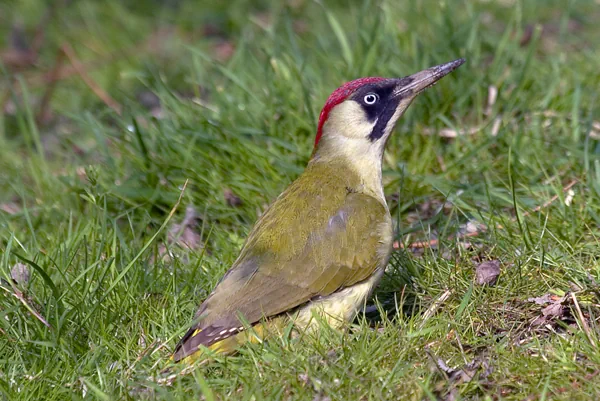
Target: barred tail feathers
(189,348)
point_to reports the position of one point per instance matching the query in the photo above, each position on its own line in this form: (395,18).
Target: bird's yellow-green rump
(324,243)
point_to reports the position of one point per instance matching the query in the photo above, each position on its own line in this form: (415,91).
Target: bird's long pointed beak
(414,84)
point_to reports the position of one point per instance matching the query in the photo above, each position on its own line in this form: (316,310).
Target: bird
(317,252)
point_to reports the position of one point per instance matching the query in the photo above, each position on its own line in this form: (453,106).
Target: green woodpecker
(324,243)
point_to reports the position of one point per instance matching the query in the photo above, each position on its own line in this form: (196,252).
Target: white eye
(371,98)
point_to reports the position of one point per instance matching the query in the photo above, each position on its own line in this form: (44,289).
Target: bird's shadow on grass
(395,296)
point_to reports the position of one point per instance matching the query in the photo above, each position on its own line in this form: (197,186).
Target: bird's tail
(190,350)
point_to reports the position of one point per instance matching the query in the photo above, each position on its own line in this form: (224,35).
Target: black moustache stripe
(384,118)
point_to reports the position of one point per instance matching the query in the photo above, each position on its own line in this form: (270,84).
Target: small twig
(19,295)
(584,324)
(39,79)
(590,376)
(98,91)
(24,57)
(551,200)
(440,160)
(150,45)
(435,306)
(4,98)
(40,31)
(460,346)
(160,346)
(452,133)
(43,112)
(434,242)
(31,309)
(440,365)
(140,357)
(168,380)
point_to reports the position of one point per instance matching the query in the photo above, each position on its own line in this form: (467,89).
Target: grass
(86,196)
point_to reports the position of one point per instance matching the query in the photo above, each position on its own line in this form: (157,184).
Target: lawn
(140,140)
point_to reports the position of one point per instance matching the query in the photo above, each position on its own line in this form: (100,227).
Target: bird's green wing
(311,242)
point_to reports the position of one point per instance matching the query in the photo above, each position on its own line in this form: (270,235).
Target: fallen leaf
(18,39)
(223,50)
(554,309)
(148,99)
(527,35)
(303,377)
(487,272)
(20,274)
(447,389)
(151,102)
(231,198)
(471,227)
(19,55)
(543,300)
(10,208)
(184,234)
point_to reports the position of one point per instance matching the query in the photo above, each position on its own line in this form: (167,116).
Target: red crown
(338,96)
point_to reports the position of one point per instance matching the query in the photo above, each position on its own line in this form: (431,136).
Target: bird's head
(359,116)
